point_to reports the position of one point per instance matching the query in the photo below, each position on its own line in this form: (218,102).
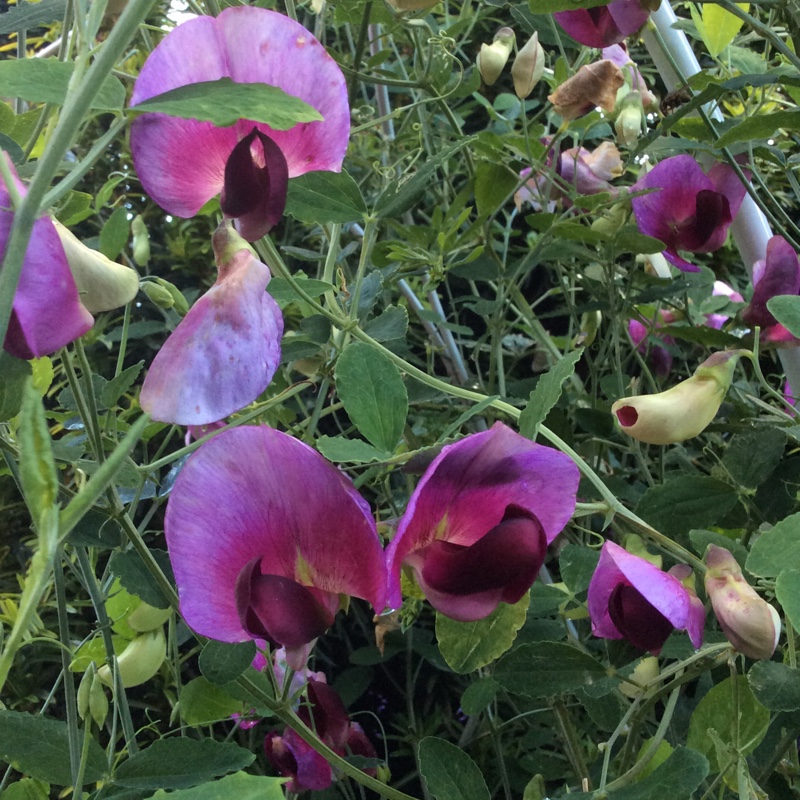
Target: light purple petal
(181,163)
(224,352)
(469,486)
(253,492)
(780,275)
(47,313)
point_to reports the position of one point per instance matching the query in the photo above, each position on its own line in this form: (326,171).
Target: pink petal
(245,495)
(223,353)
(604,25)
(780,275)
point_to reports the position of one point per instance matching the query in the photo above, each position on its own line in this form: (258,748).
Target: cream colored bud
(528,67)
(145,617)
(102,283)
(748,621)
(493,57)
(139,661)
(683,411)
(628,125)
(141,241)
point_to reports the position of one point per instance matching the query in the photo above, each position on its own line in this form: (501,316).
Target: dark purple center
(643,625)
(627,416)
(712,211)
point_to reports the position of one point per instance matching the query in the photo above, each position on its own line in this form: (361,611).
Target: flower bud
(683,411)
(98,702)
(139,661)
(751,624)
(141,241)
(178,300)
(84,690)
(145,617)
(160,295)
(628,124)
(493,57)
(528,67)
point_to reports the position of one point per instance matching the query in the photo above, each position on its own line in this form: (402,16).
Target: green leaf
(373,394)
(27,789)
(39,748)
(478,408)
(449,773)
(549,6)
(493,183)
(240,785)
(36,465)
(715,712)
(225,102)
(478,695)
(776,550)
(759,126)
(687,502)
(751,457)
(31,15)
(577,565)
(137,578)
(45,80)
(403,194)
(15,373)
(786,309)
(677,778)
(467,646)
(702,539)
(340,449)
(202,703)
(787,590)
(179,763)
(544,669)
(546,394)
(720,27)
(633,242)
(115,233)
(776,686)
(222,663)
(391,324)
(283,293)
(325,197)
(117,387)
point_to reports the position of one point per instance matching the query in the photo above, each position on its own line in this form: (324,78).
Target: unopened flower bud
(628,124)
(751,624)
(98,702)
(160,295)
(683,411)
(178,300)
(493,57)
(141,241)
(84,690)
(139,661)
(145,617)
(528,67)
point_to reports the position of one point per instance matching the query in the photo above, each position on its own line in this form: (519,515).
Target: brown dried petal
(593,85)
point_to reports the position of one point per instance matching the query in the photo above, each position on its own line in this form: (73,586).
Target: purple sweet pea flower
(225,351)
(476,529)
(183,163)
(630,598)
(256,555)
(47,313)
(604,25)
(692,210)
(778,273)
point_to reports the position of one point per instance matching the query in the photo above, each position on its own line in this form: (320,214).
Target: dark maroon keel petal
(330,718)
(712,216)
(501,565)
(278,609)
(254,194)
(637,620)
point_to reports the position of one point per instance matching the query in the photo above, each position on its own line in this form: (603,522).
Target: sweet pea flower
(618,54)
(476,529)
(294,758)
(225,351)
(256,553)
(47,313)
(691,209)
(631,598)
(604,25)
(778,273)
(591,86)
(183,163)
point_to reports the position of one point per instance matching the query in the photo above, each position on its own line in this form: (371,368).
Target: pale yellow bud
(528,67)
(628,124)
(493,57)
(139,661)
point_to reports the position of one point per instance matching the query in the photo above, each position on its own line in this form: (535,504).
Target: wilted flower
(294,758)
(225,351)
(493,57)
(581,170)
(691,209)
(632,598)
(183,163)
(476,529)
(256,554)
(591,86)
(778,273)
(604,25)
(528,67)
(683,411)
(618,54)
(751,624)
(47,312)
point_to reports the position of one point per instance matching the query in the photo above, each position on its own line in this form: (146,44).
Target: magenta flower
(778,273)
(183,163)
(604,25)
(476,529)
(691,209)
(630,598)
(225,351)
(256,553)
(47,313)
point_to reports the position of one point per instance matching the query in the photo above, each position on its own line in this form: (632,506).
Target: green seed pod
(179,301)
(161,296)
